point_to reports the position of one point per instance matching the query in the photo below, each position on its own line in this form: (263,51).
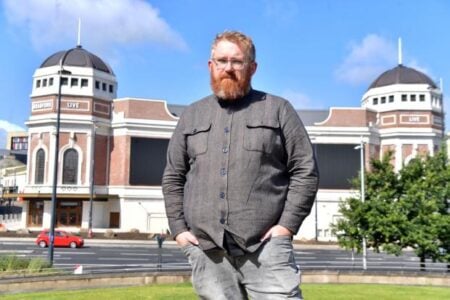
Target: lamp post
(316,209)
(91,187)
(56,158)
(364,246)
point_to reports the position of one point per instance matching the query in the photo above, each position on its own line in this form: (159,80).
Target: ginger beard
(229,85)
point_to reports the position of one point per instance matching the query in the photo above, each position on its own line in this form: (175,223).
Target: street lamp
(56,158)
(92,181)
(364,246)
(316,209)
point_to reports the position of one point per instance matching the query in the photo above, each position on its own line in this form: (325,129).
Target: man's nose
(228,66)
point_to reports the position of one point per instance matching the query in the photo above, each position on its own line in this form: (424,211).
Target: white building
(119,145)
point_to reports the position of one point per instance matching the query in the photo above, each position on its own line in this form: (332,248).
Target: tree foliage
(408,209)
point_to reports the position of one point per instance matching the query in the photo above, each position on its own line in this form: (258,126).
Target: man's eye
(222,61)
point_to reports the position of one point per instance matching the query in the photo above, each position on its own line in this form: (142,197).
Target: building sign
(73,105)
(414,119)
(41,105)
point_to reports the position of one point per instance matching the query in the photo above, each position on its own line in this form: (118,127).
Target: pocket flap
(270,123)
(191,130)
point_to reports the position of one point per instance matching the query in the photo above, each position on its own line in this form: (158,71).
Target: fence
(10,216)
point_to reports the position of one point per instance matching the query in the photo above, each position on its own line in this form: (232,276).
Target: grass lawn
(310,292)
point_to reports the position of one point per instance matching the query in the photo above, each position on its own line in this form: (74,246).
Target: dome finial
(79,33)
(399,51)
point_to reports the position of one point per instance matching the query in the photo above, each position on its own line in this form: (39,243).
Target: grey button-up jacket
(241,167)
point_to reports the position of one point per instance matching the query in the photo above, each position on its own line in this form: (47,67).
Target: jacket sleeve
(302,169)
(174,179)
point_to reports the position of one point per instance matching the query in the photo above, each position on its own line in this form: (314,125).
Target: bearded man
(240,179)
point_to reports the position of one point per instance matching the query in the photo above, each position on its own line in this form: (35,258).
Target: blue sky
(317,54)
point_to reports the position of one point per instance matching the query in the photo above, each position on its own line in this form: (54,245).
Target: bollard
(160,239)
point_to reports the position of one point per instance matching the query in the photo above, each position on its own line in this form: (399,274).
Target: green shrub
(12,262)
(3,263)
(38,265)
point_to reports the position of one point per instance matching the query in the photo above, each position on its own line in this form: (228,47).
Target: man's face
(230,71)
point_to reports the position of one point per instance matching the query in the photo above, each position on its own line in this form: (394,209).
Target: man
(240,179)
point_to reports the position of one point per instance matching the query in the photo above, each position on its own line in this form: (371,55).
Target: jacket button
(195,130)
(222,221)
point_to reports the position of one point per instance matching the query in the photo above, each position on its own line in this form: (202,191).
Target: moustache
(228,76)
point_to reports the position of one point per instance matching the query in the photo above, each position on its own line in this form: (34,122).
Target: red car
(62,239)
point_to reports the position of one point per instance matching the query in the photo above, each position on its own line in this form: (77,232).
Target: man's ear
(253,67)
(210,65)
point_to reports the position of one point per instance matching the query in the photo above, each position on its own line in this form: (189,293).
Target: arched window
(39,167)
(70,167)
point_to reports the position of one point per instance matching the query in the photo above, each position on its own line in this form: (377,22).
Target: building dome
(78,57)
(402,75)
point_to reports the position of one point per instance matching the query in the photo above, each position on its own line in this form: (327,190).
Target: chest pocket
(197,139)
(263,136)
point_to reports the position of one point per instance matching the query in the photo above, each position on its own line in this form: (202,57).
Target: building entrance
(35,213)
(68,213)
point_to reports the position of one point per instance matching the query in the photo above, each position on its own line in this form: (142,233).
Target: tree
(424,201)
(405,209)
(373,218)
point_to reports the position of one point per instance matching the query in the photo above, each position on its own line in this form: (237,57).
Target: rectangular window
(391,98)
(148,160)
(38,83)
(103,86)
(50,81)
(18,143)
(73,81)
(84,82)
(375,101)
(44,82)
(337,164)
(64,81)
(97,84)
(111,88)
(404,97)
(383,100)
(421,97)
(413,97)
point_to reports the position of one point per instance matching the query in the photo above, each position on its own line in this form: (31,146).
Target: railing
(8,189)
(10,219)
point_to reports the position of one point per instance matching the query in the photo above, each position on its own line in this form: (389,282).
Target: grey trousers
(269,273)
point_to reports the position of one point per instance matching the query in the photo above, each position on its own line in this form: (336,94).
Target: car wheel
(42,244)
(73,245)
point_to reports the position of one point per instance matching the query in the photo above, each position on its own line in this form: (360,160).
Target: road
(132,256)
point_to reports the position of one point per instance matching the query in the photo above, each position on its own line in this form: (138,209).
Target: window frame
(39,171)
(70,167)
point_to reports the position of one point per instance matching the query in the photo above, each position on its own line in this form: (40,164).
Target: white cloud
(104,23)
(7,126)
(415,65)
(300,100)
(367,60)
(370,58)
